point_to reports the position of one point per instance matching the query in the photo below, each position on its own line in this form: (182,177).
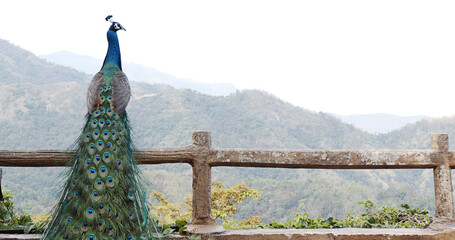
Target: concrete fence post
(202,221)
(442,177)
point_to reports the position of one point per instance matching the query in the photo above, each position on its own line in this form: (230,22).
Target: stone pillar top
(202,139)
(440,142)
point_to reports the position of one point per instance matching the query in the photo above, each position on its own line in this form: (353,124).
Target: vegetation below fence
(225,200)
(174,216)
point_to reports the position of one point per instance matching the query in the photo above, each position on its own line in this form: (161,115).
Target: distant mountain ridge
(20,66)
(139,73)
(380,122)
(371,123)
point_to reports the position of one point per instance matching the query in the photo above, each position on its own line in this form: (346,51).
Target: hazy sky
(343,57)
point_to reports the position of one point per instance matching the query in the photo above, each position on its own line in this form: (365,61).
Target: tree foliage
(224,201)
(8,217)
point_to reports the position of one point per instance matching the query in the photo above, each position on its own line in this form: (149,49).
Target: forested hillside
(43,106)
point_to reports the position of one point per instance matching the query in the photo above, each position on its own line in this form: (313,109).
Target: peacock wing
(121,92)
(94,91)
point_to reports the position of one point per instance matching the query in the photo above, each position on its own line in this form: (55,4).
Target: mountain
(18,66)
(381,122)
(43,107)
(139,73)
(416,135)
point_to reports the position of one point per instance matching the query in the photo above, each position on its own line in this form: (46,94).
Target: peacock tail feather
(102,197)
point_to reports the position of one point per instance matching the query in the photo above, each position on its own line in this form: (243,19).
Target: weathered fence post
(202,221)
(442,178)
(1,175)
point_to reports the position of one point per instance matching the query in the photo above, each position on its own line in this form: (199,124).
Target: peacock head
(115,25)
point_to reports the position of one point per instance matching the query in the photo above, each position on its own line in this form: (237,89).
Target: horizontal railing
(202,158)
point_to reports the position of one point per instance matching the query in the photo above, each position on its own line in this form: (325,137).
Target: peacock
(102,197)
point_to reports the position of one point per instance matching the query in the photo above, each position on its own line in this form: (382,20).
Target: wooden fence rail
(202,158)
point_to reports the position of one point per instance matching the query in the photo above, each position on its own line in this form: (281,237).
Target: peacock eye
(110,228)
(85,224)
(95,194)
(100,223)
(106,155)
(92,170)
(92,146)
(101,206)
(90,211)
(98,158)
(110,179)
(70,219)
(87,136)
(96,133)
(103,169)
(102,98)
(99,182)
(119,162)
(94,122)
(105,133)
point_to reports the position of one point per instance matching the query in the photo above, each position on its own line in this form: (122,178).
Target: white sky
(342,57)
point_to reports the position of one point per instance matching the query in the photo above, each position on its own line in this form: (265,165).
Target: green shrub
(383,217)
(8,219)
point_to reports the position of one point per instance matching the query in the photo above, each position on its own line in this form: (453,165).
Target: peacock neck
(113,51)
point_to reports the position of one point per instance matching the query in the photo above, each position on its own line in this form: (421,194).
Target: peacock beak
(118,26)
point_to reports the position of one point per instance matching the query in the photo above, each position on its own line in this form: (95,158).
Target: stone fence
(202,158)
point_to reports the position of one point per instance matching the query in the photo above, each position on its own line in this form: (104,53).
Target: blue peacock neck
(113,51)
